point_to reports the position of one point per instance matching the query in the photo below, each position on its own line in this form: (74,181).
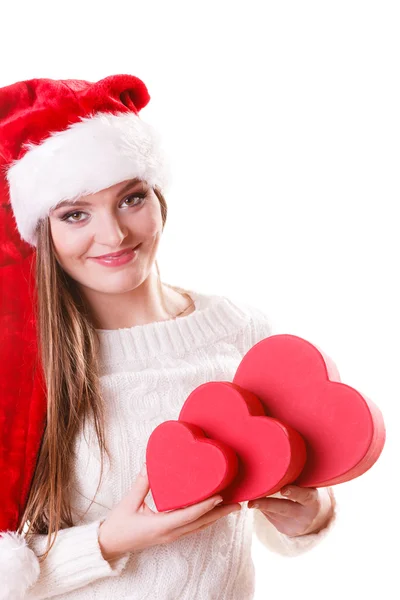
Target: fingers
(275,519)
(139,490)
(305,496)
(290,527)
(182,516)
(302,513)
(280,507)
(207,519)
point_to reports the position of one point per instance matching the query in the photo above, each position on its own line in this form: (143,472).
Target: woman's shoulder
(260,321)
(250,311)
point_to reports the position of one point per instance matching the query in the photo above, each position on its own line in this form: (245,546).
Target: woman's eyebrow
(126,187)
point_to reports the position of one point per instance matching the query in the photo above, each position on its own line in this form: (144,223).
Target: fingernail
(286,493)
(256,505)
(144,469)
(218,501)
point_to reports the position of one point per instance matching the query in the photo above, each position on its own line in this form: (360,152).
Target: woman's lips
(117,261)
(115,254)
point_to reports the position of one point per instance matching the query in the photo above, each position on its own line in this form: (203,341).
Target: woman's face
(122,216)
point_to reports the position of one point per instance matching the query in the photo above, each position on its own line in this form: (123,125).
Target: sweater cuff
(286,545)
(74,561)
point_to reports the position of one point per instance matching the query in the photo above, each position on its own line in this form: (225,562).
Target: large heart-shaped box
(298,384)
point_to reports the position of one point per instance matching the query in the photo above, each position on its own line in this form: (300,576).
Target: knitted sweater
(147,372)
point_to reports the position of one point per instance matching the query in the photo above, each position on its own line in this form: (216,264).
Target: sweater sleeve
(260,327)
(74,561)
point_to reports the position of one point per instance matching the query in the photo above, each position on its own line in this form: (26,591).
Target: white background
(281,121)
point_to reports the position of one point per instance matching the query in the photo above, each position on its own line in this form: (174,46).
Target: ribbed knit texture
(147,372)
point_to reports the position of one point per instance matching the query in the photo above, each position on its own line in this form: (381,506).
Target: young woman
(108,352)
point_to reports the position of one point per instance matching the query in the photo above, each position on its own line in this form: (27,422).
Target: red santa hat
(59,139)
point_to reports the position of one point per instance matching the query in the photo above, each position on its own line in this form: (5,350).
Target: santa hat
(59,140)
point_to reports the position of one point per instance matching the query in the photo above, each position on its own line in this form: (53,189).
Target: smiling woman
(105,359)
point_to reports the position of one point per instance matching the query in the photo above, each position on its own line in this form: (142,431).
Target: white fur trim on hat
(90,155)
(19,566)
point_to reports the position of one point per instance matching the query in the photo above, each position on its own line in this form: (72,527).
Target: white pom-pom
(19,566)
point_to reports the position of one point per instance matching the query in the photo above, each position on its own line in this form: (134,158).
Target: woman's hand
(132,525)
(307,510)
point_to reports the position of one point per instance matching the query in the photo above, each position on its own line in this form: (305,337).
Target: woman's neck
(150,302)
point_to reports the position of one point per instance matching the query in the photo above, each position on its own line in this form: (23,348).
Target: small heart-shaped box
(184,467)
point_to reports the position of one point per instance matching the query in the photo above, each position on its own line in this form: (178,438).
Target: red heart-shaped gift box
(297,383)
(185,467)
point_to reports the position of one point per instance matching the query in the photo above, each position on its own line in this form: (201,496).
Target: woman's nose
(111,232)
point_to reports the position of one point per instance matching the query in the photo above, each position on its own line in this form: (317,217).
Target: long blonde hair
(67,347)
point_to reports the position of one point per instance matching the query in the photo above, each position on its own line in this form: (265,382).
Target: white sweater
(147,372)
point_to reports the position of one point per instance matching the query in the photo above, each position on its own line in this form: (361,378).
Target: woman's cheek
(148,226)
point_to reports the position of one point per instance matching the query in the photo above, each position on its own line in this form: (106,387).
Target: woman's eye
(79,212)
(69,215)
(141,196)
